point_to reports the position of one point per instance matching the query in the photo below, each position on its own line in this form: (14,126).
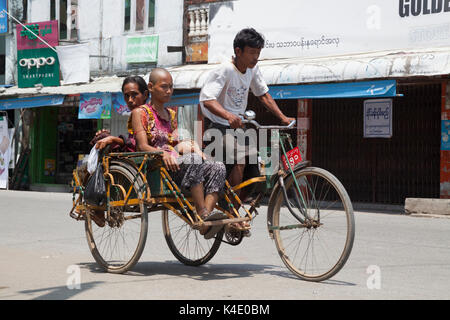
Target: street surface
(41,248)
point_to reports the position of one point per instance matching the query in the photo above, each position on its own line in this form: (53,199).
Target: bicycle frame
(177,202)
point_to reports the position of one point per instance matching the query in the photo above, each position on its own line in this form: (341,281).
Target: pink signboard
(47,30)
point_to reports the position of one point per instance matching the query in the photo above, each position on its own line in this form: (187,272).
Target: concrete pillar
(445,142)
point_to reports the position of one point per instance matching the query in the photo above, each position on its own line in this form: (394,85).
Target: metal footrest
(220,222)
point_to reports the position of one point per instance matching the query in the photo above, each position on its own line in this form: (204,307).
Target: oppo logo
(37,62)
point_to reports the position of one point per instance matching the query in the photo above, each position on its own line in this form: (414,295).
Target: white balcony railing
(198,16)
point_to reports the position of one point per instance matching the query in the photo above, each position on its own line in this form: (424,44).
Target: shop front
(58,140)
(55,137)
(328,95)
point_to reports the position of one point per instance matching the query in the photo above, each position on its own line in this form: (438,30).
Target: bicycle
(309,214)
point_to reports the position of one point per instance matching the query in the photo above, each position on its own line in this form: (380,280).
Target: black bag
(95,191)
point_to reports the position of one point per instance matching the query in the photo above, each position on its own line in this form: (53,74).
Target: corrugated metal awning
(104,84)
(378,65)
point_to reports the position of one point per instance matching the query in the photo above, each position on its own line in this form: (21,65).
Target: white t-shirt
(229,87)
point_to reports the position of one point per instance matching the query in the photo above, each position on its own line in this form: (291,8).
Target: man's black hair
(142,85)
(248,37)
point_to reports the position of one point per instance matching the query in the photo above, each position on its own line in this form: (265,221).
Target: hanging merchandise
(4,151)
(95,106)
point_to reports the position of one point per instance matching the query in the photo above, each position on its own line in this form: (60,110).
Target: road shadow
(61,292)
(201,273)
(211,271)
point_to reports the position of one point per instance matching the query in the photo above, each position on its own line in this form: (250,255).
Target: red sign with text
(293,156)
(27,39)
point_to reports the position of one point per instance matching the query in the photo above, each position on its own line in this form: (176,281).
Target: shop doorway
(382,170)
(59,141)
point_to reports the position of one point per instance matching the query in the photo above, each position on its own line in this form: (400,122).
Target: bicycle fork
(300,202)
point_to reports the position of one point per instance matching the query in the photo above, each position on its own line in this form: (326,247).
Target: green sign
(142,49)
(37,66)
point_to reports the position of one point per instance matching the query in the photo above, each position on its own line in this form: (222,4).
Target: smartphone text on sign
(293,156)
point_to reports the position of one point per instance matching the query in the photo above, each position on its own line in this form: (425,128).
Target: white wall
(168,25)
(38,10)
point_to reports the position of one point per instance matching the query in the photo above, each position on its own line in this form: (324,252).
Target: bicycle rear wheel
(317,248)
(186,243)
(118,245)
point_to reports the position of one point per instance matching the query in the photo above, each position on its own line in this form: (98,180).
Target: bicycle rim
(186,243)
(118,245)
(317,250)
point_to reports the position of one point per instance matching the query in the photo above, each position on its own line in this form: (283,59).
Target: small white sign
(378,118)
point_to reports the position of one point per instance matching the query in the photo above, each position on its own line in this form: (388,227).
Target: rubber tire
(129,172)
(180,257)
(274,211)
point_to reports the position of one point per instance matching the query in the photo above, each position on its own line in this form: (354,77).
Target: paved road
(39,243)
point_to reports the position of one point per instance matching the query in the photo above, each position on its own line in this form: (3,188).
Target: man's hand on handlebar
(287,121)
(234,121)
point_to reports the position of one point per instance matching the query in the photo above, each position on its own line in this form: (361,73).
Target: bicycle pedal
(76,216)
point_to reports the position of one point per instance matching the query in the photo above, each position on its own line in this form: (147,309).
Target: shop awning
(387,88)
(386,65)
(365,89)
(31,102)
(347,68)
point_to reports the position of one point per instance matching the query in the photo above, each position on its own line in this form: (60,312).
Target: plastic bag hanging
(95,191)
(92,160)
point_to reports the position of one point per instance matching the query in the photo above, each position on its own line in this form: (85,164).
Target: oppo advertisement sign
(328,28)
(36,62)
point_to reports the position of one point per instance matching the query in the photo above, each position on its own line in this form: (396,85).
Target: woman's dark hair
(248,37)
(142,85)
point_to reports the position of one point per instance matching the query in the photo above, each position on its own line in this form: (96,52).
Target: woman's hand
(101,144)
(170,162)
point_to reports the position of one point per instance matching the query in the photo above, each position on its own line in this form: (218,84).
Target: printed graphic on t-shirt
(237,95)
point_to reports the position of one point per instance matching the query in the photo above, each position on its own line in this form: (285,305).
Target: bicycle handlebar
(258,126)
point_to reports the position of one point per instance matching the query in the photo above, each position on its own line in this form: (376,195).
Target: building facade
(113,31)
(306,58)
(368,83)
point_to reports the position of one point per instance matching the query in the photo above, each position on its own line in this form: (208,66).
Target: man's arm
(216,108)
(272,106)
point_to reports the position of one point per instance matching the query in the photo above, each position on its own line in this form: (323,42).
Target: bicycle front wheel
(186,243)
(118,245)
(316,244)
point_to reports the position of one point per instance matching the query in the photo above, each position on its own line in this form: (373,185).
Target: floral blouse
(159,131)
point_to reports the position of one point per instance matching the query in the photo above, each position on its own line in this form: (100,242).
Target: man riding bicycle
(224,96)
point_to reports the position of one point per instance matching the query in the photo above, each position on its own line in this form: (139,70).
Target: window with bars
(139,15)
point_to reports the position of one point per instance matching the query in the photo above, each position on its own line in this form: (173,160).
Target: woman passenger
(154,128)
